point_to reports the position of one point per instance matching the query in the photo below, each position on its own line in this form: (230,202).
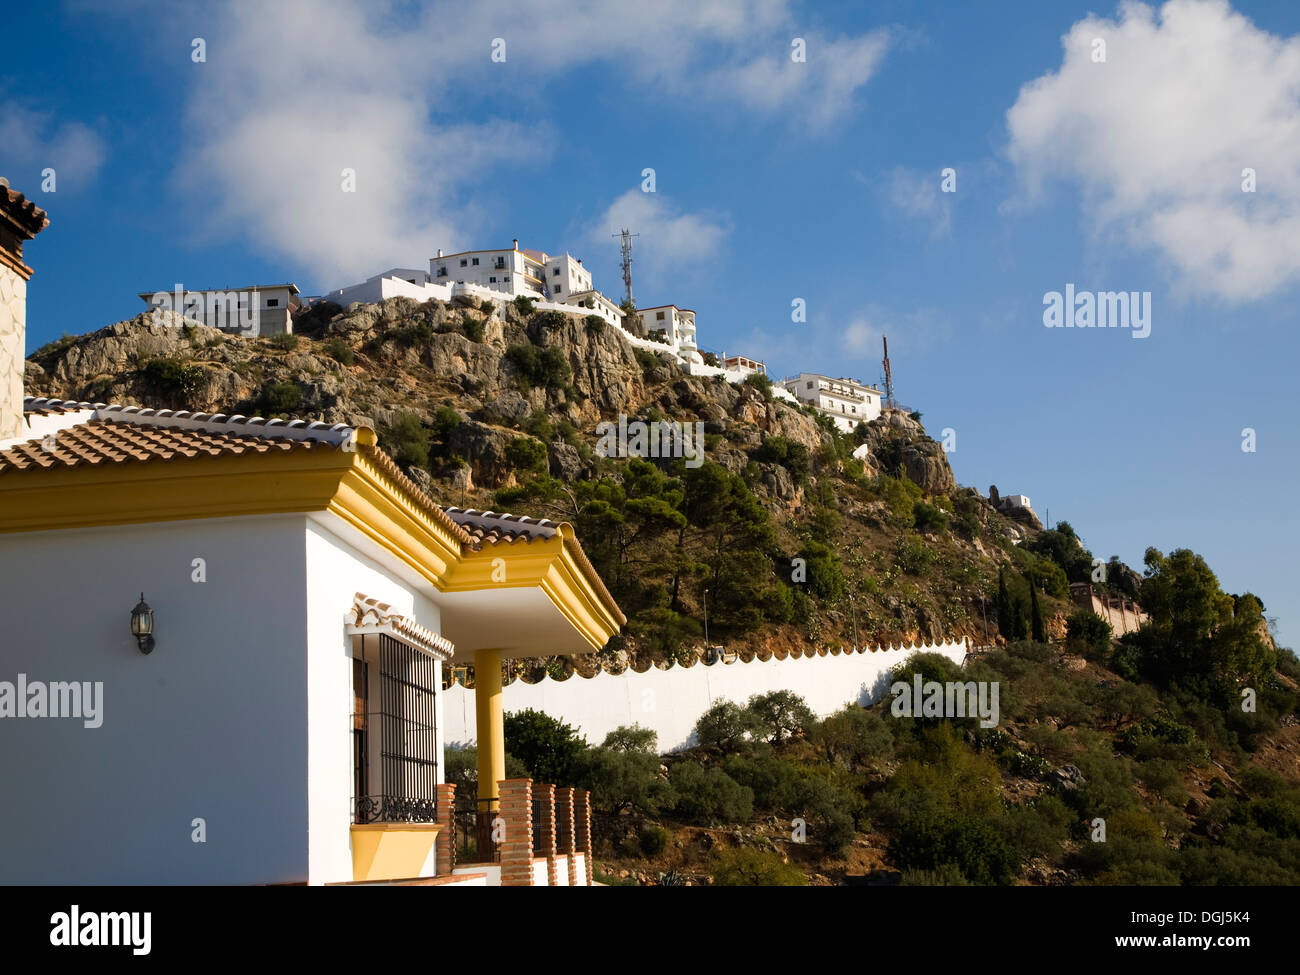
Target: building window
(810,385)
(272,302)
(398,780)
(475,260)
(492,280)
(555,273)
(463,262)
(559,289)
(659,316)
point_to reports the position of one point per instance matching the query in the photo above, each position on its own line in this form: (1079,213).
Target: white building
(265,309)
(227,663)
(846,401)
(1017,501)
(743,365)
(514,271)
(677,325)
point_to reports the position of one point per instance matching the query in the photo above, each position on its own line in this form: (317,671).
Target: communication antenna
(889,377)
(627,236)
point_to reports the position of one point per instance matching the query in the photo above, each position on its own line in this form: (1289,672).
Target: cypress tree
(1003,607)
(1039,630)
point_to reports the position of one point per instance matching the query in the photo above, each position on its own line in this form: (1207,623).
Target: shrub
(653,839)
(526,454)
(338,349)
(552,320)
(708,797)
(406,441)
(412,333)
(647,360)
(284,341)
(972,845)
(279,398)
(472,328)
(524,305)
(1088,634)
(594,323)
(173,378)
(760,382)
(927,518)
(540,366)
(756,868)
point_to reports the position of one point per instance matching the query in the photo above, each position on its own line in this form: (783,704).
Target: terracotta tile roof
(369,615)
(99,441)
(490,528)
(22,211)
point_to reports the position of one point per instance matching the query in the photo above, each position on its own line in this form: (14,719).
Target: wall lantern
(142,626)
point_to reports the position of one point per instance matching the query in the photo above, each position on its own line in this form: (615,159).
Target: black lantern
(142,625)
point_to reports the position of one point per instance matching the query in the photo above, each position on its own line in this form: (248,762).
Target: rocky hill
(495,405)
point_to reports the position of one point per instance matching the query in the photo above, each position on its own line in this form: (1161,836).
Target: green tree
(781,715)
(551,750)
(1038,628)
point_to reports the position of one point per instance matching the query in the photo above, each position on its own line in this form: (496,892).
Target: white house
(846,401)
(677,326)
(265,309)
(513,271)
(224,663)
(1016,501)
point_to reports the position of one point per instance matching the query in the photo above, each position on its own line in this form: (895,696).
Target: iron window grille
(399,717)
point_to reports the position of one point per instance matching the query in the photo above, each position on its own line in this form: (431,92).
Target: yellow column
(490,726)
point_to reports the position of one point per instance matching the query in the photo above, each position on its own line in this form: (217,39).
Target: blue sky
(774,180)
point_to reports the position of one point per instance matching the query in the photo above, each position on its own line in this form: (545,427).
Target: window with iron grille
(395,751)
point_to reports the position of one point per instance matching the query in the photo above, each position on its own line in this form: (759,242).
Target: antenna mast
(889,377)
(627,236)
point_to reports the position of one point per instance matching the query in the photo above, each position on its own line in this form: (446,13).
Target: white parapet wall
(671,701)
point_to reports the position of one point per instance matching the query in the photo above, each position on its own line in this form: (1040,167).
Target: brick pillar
(564,830)
(582,828)
(544,797)
(517,847)
(445,845)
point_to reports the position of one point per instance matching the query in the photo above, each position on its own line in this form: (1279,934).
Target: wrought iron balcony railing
(393,809)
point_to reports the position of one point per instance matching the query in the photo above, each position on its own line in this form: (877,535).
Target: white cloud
(293,92)
(31,141)
(918,195)
(670,239)
(1158,134)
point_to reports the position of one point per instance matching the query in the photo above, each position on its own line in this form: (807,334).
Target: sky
(929,172)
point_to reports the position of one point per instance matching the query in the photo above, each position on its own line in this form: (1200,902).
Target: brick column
(564,830)
(445,845)
(517,847)
(582,828)
(544,796)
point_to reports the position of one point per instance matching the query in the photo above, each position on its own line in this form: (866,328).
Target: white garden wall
(671,701)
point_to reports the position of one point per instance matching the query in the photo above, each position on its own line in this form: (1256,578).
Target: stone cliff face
(472,380)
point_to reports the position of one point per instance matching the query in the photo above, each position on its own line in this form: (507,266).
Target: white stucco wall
(336,571)
(212,724)
(671,701)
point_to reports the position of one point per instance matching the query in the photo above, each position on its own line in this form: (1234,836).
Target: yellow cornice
(135,493)
(348,484)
